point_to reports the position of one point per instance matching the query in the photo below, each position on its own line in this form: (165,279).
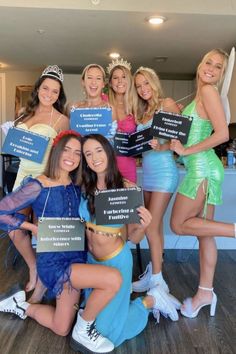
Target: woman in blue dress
(160,174)
(54,195)
(121,319)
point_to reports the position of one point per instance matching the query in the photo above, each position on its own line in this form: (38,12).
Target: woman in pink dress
(120,98)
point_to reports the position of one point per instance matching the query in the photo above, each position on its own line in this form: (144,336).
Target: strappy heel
(187,311)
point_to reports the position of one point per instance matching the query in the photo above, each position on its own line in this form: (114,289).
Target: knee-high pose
(121,319)
(63,273)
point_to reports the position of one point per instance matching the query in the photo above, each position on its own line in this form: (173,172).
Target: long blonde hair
(128,96)
(225,62)
(142,108)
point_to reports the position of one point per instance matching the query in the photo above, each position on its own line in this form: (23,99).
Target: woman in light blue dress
(160,174)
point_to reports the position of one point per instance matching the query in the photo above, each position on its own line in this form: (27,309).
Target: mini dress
(204,165)
(160,173)
(127,165)
(53,268)
(31,168)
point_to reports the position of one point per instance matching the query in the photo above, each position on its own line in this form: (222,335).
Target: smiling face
(93,82)
(143,87)
(71,155)
(210,70)
(95,156)
(48,92)
(118,81)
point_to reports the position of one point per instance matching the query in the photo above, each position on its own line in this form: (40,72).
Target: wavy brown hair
(113,178)
(33,101)
(52,167)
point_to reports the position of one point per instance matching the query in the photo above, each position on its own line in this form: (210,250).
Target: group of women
(75,167)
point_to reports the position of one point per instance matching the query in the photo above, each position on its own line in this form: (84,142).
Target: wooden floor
(203,335)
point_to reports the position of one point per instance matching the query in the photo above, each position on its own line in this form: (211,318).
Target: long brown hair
(52,167)
(33,101)
(113,178)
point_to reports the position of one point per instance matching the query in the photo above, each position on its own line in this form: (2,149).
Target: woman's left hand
(145,216)
(177,146)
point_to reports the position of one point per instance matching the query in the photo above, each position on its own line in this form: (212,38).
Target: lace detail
(93,332)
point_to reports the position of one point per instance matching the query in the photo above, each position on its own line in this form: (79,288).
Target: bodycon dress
(204,165)
(160,173)
(127,165)
(60,201)
(32,168)
(122,318)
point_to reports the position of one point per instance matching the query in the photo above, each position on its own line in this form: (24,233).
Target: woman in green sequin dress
(200,191)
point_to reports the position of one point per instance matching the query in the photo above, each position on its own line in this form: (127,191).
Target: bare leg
(22,242)
(105,281)
(51,317)
(156,203)
(185,220)
(38,293)
(207,259)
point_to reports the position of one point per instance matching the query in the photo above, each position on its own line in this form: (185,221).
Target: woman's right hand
(155,145)
(30,227)
(177,146)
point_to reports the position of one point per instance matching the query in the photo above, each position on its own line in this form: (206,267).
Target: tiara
(117,62)
(53,71)
(142,68)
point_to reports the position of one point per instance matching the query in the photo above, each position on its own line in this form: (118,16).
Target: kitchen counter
(225,212)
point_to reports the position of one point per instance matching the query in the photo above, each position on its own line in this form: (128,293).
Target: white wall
(178,89)
(13,79)
(232,96)
(72,86)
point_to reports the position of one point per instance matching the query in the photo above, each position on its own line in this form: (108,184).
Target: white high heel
(187,311)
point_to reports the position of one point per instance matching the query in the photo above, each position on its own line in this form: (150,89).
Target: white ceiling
(76,33)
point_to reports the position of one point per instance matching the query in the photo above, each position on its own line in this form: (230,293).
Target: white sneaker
(87,339)
(163,304)
(14,302)
(146,282)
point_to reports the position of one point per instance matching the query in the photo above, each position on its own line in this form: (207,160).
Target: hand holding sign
(118,206)
(177,146)
(145,216)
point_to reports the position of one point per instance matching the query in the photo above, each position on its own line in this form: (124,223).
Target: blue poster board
(91,120)
(25,144)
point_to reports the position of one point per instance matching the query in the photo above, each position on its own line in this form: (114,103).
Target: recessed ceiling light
(41,31)
(114,55)
(160,59)
(156,20)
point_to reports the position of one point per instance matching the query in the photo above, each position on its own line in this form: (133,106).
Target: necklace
(94,104)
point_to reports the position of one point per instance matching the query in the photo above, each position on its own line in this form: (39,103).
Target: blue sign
(25,144)
(91,120)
